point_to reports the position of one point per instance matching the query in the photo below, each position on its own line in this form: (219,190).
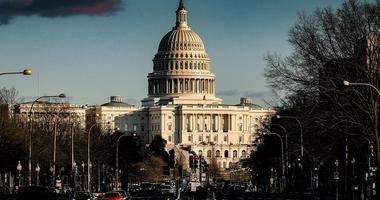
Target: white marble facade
(182,107)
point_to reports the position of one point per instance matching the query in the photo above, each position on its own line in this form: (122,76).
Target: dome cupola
(181,67)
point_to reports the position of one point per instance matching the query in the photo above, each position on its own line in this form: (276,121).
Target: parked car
(83,195)
(35,192)
(124,194)
(165,189)
(112,196)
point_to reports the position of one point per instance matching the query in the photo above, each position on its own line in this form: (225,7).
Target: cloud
(55,8)
(238,93)
(228,93)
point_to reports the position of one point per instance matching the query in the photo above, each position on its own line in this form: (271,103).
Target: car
(134,189)
(83,195)
(112,196)
(165,189)
(124,194)
(35,192)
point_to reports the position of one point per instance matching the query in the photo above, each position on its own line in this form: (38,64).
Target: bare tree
(330,46)
(9,96)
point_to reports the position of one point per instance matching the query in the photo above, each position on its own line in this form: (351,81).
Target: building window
(216,139)
(240,127)
(225,138)
(142,128)
(217,153)
(224,164)
(200,152)
(170,138)
(226,153)
(169,127)
(200,138)
(208,154)
(190,138)
(235,154)
(241,140)
(243,154)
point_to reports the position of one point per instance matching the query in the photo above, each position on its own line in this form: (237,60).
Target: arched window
(226,153)
(209,153)
(243,154)
(200,152)
(217,153)
(234,154)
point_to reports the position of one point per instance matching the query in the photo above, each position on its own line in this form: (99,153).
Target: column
(177,85)
(183,121)
(172,86)
(229,122)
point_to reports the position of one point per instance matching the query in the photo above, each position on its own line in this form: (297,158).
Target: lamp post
(52,181)
(62,95)
(117,159)
(88,158)
(38,174)
(83,180)
(375,120)
(24,72)
(286,143)
(336,177)
(282,152)
(19,168)
(299,123)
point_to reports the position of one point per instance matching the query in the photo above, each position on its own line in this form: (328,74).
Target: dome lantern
(181,22)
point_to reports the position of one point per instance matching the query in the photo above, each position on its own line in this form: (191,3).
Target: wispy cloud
(55,8)
(238,93)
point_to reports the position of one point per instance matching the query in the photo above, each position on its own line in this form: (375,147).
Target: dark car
(82,195)
(124,194)
(36,192)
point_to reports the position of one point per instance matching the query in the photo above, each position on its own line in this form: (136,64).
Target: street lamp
(347,83)
(52,181)
(24,72)
(62,95)
(38,174)
(286,143)
(282,151)
(88,158)
(299,123)
(117,158)
(19,168)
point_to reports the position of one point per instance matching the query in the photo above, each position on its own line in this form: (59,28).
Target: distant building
(49,111)
(182,107)
(105,114)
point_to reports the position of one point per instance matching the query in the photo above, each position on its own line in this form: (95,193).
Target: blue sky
(92,57)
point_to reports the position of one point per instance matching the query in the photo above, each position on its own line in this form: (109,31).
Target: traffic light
(373,159)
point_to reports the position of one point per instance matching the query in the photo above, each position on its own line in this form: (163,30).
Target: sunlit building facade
(182,107)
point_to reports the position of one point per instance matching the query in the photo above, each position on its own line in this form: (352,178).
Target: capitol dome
(179,39)
(181,68)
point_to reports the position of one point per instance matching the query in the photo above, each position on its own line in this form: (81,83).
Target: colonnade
(181,85)
(207,122)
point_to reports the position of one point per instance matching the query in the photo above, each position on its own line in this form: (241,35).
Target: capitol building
(181,105)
